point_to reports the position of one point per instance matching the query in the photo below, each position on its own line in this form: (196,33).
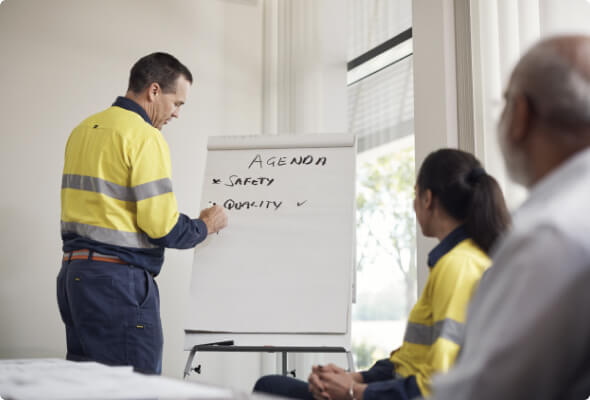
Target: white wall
(564,17)
(62,60)
(278,61)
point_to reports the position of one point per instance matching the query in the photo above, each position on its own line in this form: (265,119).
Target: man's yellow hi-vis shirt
(117,193)
(435,328)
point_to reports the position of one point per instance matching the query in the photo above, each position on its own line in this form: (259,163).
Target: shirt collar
(567,173)
(451,240)
(130,105)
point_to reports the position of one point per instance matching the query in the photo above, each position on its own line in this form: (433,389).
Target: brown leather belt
(86,254)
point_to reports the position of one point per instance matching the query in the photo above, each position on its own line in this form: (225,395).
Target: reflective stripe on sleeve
(152,189)
(110,236)
(119,192)
(423,334)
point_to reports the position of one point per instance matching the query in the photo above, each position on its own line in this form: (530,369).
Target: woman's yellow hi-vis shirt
(117,193)
(435,328)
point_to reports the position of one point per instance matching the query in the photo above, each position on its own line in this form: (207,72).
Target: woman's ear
(427,199)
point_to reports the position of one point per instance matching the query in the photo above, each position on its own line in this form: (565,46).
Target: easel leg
(189,362)
(350,361)
(284,361)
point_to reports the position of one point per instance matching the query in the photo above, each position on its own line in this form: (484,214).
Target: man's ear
(522,118)
(153,91)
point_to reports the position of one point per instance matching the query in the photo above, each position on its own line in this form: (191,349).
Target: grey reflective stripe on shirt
(124,193)
(423,334)
(153,188)
(109,236)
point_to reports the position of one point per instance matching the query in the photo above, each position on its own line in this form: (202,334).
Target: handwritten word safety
(258,161)
(235,180)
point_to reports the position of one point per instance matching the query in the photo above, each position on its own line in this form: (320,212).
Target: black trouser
(390,389)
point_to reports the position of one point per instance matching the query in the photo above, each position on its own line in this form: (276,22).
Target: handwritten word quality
(230,204)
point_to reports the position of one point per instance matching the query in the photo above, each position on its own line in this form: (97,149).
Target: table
(49,379)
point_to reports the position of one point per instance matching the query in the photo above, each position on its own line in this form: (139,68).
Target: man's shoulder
(127,119)
(122,121)
(560,200)
(543,247)
(563,216)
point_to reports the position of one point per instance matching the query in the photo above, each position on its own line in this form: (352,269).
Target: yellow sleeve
(151,180)
(451,290)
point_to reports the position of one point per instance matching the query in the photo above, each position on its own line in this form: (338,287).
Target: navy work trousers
(284,386)
(111,313)
(390,389)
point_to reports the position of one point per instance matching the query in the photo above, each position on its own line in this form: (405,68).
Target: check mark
(300,203)
(216,181)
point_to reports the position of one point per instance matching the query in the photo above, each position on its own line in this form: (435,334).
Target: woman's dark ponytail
(467,193)
(488,216)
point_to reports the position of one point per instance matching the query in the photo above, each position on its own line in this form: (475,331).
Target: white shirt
(528,326)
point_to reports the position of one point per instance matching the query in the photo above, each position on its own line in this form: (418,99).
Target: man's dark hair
(162,68)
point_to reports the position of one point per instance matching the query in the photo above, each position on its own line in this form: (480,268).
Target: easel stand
(228,346)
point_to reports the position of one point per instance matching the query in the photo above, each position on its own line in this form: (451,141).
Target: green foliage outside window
(386,225)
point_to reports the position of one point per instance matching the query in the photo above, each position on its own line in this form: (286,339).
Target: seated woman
(462,206)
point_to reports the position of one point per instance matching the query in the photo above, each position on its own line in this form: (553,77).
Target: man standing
(528,331)
(118,214)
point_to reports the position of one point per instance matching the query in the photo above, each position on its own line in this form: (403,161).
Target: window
(380,109)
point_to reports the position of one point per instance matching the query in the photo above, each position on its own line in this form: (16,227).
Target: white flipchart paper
(284,263)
